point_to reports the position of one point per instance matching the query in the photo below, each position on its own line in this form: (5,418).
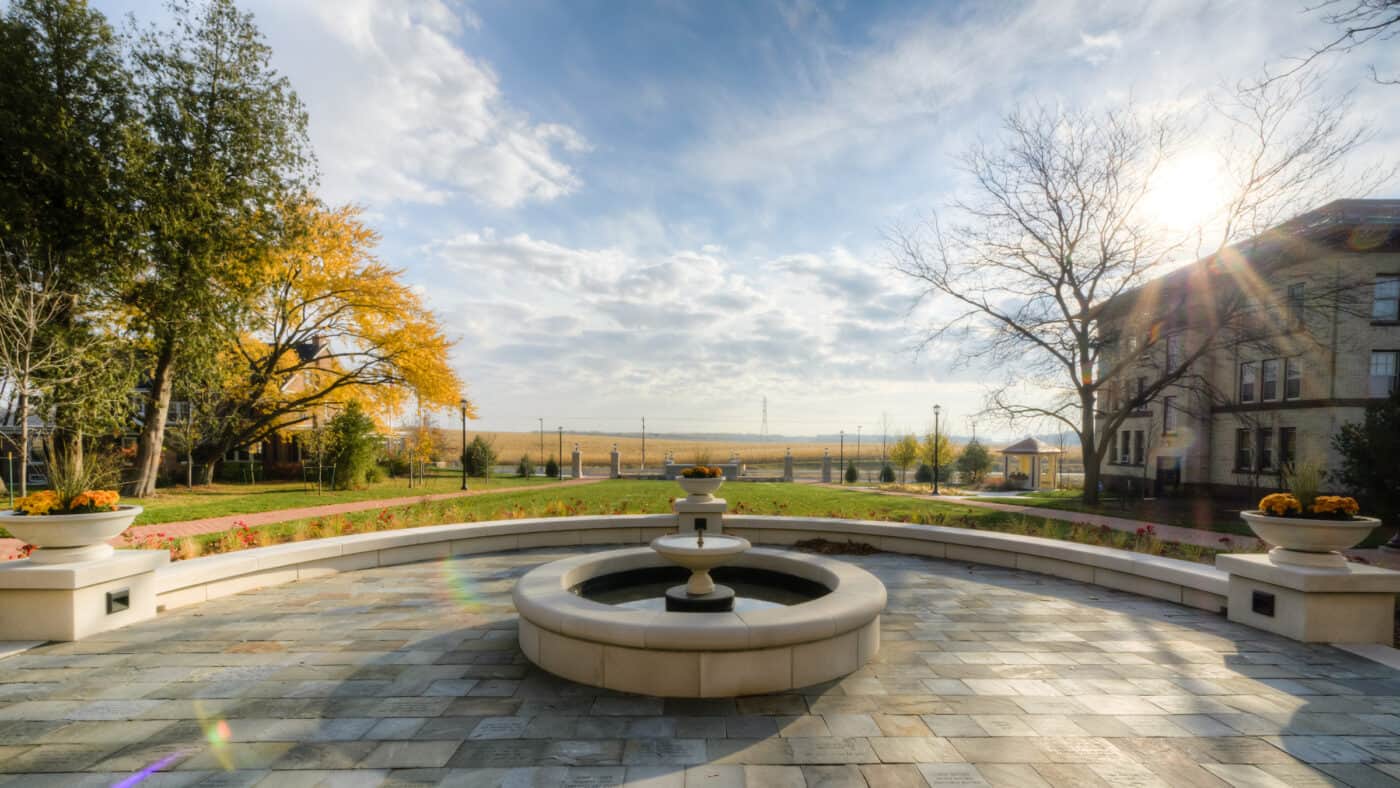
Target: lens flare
(141,776)
(217,733)
(460,585)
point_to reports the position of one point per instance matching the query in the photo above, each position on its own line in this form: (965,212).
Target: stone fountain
(698,513)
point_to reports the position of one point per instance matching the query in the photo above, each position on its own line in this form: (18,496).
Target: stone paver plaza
(412,674)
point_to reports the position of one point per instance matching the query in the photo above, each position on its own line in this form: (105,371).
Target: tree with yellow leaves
(331,324)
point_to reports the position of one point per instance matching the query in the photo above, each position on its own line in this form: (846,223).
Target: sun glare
(1186,193)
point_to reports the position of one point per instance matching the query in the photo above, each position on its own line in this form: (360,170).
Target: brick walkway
(412,675)
(211,525)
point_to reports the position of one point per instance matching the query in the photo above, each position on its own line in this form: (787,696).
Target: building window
(1173,351)
(1249,374)
(1386,304)
(1168,414)
(1292,378)
(1383,372)
(1294,303)
(1287,445)
(1139,450)
(1265,452)
(1268,380)
(1124,449)
(1244,456)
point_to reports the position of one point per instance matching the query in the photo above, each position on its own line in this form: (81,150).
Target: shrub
(1370,457)
(886,474)
(852,474)
(480,456)
(551,468)
(351,435)
(924,475)
(282,471)
(975,461)
(526,467)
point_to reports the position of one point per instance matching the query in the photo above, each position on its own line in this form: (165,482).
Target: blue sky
(674,209)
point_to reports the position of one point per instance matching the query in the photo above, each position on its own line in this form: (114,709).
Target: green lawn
(1200,513)
(176,504)
(653,497)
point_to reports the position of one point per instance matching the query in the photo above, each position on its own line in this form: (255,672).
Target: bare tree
(1357,23)
(1053,228)
(34,356)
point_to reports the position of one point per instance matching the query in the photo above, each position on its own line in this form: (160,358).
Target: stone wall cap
(24,574)
(1355,578)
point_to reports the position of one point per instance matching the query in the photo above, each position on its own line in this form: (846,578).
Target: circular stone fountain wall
(699,655)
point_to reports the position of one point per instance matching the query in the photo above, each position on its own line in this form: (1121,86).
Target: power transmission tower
(763,430)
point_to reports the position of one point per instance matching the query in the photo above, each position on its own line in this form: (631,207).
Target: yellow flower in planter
(1280,504)
(1336,505)
(94,501)
(38,503)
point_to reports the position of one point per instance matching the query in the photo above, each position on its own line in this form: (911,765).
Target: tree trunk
(148,449)
(1089,449)
(189,468)
(23,444)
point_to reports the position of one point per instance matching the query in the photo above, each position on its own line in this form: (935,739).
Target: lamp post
(936,440)
(644,443)
(463,405)
(841,458)
(541,439)
(561,453)
(858,429)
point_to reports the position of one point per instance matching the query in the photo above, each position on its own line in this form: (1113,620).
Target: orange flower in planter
(1336,505)
(36,504)
(1280,505)
(47,502)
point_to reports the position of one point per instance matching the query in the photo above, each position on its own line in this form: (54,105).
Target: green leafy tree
(852,473)
(480,456)
(946,455)
(924,475)
(975,461)
(66,197)
(551,467)
(886,474)
(1370,453)
(905,453)
(526,467)
(225,145)
(354,443)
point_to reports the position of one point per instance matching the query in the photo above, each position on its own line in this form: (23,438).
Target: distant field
(510,445)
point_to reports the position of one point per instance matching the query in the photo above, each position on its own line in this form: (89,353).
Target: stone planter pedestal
(1351,604)
(74,600)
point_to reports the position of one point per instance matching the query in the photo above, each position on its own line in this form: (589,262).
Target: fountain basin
(693,655)
(699,556)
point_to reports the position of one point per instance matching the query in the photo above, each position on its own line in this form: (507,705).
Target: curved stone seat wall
(200,579)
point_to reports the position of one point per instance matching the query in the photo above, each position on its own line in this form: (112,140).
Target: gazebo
(1027,473)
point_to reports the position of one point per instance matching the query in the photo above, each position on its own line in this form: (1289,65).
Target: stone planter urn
(69,538)
(1309,542)
(700,488)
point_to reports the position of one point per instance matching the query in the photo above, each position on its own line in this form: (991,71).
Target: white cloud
(695,329)
(401,112)
(1097,49)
